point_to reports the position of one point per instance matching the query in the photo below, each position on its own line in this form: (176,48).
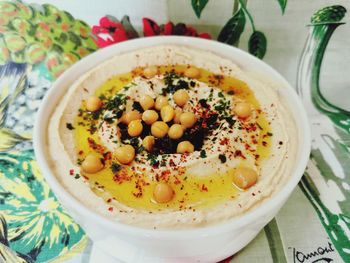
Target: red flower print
(151,28)
(110,30)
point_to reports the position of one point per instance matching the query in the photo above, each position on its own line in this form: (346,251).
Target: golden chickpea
(135,128)
(148,143)
(146,102)
(167,113)
(159,129)
(163,193)
(150,71)
(149,116)
(125,154)
(130,116)
(93,103)
(243,110)
(178,113)
(185,147)
(188,119)
(161,101)
(192,73)
(92,164)
(244,177)
(181,97)
(176,131)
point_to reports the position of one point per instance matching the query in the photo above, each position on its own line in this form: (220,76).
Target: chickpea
(178,113)
(161,101)
(176,131)
(150,71)
(125,154)
(167,113)
(146,102)
(185,147)
(159,129)
(148,143)
(244,177)
(181,97)
(149,116)
(243,110)
(163,193)
(130,116)
(135,128)
(92,164)
(188,119)
(192,73)
(93,103)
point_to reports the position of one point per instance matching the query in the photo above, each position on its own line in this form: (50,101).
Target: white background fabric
(299,225)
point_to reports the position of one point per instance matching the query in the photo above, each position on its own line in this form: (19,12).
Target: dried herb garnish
(116,102)
(96,114)
(230,120)
(212,121)
(173,83)
(164,145)
(69,126)
(124,135)
(102,97)
(92,129)
(203,154)
(259,126)
(146,130)
(115,168)
(163,163)
(203,103)
(222,158)
(137,106)
(109,119)
(140,149)
(134,141)
(222,105)
(211,94)
(152,158)
(79,161)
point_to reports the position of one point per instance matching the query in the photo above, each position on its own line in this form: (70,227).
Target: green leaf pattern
(329,14)
(36,221)
(233,29)
(198,6)
(283,4)
(257,44)
(329,168)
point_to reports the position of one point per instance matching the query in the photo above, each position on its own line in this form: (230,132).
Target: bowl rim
(96,58)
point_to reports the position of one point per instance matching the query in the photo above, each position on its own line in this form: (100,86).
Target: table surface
(315,222)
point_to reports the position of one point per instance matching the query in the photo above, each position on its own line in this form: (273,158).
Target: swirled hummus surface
(230,161)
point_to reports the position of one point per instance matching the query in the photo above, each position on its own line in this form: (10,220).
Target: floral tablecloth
(39,41)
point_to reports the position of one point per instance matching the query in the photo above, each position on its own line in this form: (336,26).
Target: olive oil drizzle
(191,192)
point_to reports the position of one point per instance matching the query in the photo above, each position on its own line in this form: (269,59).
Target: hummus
(204,187)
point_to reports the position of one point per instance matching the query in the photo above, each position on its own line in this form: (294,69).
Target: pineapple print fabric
(37,43)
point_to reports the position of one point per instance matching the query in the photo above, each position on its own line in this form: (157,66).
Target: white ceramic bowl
(207,244)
